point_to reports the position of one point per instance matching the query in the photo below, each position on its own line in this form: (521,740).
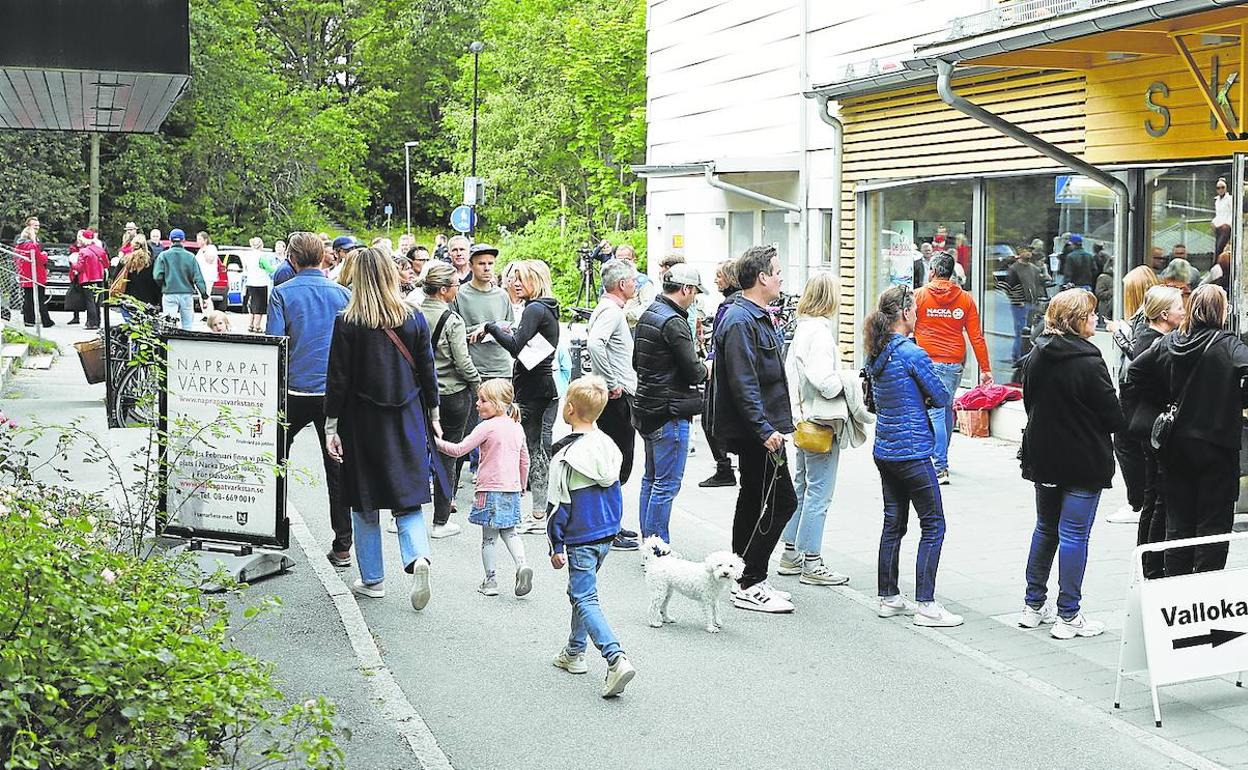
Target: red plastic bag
(987,397)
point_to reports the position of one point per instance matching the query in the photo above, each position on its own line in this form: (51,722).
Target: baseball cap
(482,248)
(176,234)
(1076,238)
(685,275)
(344,242)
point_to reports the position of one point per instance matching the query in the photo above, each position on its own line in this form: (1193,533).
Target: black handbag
(1163,425)
(75,298)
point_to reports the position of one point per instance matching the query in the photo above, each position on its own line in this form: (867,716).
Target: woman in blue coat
(381,403)
(905,386)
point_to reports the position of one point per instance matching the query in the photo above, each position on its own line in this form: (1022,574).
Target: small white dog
(708,581)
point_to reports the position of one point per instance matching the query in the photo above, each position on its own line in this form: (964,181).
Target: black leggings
(538,420)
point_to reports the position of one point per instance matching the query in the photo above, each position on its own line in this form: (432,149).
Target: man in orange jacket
(947,315)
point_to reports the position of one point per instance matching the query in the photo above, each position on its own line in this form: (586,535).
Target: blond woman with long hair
(1200,460)
(823,395)
(381,404)
(536,393)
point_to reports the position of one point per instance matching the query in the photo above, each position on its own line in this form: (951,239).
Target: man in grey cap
(669,372)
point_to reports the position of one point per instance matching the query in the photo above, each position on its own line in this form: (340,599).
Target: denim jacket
(304,309)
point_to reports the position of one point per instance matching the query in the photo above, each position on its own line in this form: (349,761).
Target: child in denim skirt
(503,467)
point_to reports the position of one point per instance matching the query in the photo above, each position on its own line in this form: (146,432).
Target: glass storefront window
(1177,222)
(776,233)
(901,219)
(1034,224)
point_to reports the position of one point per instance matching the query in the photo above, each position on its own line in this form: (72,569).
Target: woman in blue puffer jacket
(905,387)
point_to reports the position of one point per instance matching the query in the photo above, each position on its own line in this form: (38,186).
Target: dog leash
(768,491)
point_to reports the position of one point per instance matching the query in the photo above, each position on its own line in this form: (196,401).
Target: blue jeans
(814,479)
(1064,519)
(180,305)
(584,561)
(413,542)
(667,449)
(942,417)
(1019,313)
(910,482)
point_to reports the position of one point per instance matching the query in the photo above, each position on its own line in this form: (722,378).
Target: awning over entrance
(63,65)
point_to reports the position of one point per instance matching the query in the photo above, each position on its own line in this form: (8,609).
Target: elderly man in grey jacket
(610,344)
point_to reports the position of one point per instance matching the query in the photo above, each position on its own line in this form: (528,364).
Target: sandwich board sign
(223,402)
(1185,627)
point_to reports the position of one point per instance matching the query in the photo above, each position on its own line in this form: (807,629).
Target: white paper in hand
(537,350)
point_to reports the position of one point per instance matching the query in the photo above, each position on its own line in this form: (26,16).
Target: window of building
(831,240)
(776,233)
(740,232)
(1034,224)
(1178,220)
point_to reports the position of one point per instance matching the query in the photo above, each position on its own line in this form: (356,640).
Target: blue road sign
(1064,191)
(389,209)
(463,218)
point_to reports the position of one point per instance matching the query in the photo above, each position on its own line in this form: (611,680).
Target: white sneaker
(1124,515)
(448,529)
(420,584)
(573,664)
(1032,618)
(934,615)
(374,591)
(488,587)
(776,591)
(817,574)
(791,563)
(1076,626)
(532,526)
(759,599)
(892,606)
(524,580)
(618,676)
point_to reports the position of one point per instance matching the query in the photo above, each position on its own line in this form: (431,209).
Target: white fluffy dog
(708,581)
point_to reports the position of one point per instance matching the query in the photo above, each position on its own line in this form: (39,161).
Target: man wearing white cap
(668,375)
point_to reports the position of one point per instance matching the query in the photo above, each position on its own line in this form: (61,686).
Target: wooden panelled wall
(912,134)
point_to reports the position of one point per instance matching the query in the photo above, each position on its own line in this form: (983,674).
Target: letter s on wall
(1155,88)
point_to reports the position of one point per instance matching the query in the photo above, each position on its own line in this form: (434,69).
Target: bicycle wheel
(134,398)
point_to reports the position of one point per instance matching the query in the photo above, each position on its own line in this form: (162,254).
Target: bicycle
(133,350)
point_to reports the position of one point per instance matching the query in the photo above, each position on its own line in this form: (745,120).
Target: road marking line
(1161,745)
(395,705)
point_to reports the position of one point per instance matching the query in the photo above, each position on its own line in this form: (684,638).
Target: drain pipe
(714,181)
(838,146)
(1124,203)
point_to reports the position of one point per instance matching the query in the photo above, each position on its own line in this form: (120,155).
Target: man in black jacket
(668,375)
(751,413)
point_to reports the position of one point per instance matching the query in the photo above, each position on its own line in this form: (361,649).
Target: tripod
(587,292)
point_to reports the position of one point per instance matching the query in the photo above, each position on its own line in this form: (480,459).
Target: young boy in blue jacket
(585,509)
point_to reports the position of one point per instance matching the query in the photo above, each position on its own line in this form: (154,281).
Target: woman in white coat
(822,393)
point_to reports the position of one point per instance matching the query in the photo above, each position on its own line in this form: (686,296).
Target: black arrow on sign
(1215,638)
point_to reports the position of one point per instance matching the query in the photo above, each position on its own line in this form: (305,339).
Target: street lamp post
(407,180)
(476,47)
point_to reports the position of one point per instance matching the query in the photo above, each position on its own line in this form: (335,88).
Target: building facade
(992,130)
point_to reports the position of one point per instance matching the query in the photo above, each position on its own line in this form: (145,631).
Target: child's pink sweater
(504,464)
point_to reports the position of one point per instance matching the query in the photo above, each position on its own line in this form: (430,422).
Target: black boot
(723,477)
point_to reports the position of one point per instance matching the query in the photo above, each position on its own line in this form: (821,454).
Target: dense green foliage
(298,111)
(108,661)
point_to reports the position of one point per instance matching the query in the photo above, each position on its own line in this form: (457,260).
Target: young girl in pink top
(501,472)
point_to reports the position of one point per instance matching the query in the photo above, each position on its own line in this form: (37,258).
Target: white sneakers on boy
(420,584)
(1032,618)
(573,664)
(619,674)
(1076,626)
(374,591)
(934,615)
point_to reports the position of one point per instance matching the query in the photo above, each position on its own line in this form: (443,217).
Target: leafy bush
(107,661)
(540,239)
